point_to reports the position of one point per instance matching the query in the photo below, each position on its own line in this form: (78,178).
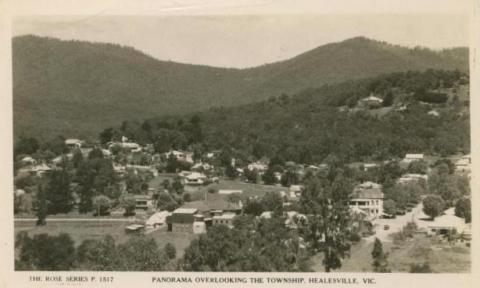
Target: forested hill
(422,112)
(76,88)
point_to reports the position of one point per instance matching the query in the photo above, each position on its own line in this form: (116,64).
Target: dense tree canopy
(318,130)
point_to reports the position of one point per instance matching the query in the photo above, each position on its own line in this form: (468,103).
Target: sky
(247,40)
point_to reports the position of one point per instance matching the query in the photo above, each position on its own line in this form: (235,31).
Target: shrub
(187,197)
(170,250)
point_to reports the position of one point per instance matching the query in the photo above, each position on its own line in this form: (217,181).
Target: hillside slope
(76,88)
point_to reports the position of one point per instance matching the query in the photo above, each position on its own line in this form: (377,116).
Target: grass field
(442,257)
(80,231)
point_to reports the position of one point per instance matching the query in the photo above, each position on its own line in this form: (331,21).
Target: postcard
(239,143)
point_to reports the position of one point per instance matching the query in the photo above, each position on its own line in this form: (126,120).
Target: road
(398,223)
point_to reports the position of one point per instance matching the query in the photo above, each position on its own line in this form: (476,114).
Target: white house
(229,191)
(266,215)
(368,166)
(28,160)
(408,178)
(144,202)
(463,164)
(257,166)
(74,143)
(433,113)
(368,197)
(199,225)
(447,223)
(200,167)
(37,170)
(295,190)
(195,178)
(370,101)
(157,219)
(181,156)
(412,157)
(225,219)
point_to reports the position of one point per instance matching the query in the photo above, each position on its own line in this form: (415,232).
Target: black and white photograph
(282,142)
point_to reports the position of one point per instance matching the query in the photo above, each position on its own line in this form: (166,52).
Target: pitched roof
(373,193)
(414,156)
(369,184)
(214,202)
(184,210)
(367,190)
(448,220)
(182,215)
(372,98)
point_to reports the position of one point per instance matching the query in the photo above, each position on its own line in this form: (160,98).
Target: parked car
(386,227)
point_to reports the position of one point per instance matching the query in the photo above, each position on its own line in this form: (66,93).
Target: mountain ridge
(57,79)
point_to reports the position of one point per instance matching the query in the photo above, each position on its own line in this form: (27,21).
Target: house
(295,190)
(447,223)
(433,113)
(182,220)
(199,225)
(368,197)
(74,143)
(412,157)
(240,172)
(201,167)
(213,154)
(278,176)
(195,178)
(181,156)
(158,219)
(106,153)
(368,166)
(28,160)
(19,192)
(257,166)
(463,164)
(401,108)
(119,169)
(411,177)
(370,101)
(135,228)
(266,215)
(143,202)
(39,170)
(229,191)
(224,219)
